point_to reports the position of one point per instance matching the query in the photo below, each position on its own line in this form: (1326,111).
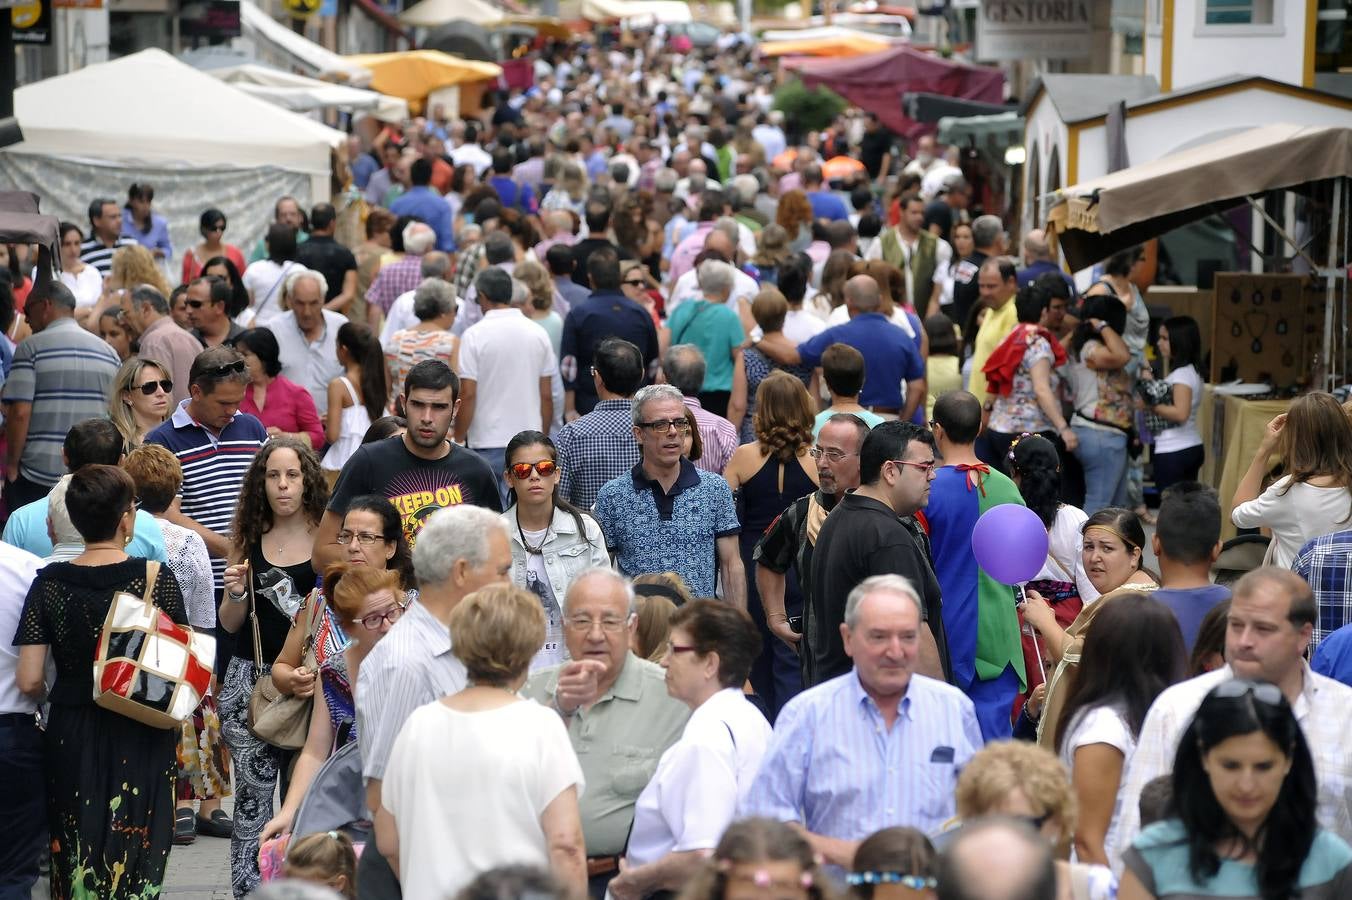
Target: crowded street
(650,450)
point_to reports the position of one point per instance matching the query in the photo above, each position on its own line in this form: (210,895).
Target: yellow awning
(413,74)
(839,45)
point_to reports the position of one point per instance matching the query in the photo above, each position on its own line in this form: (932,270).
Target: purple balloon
(1010,543)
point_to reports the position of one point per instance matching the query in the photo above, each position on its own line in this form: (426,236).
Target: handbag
(282,720)
(1154,392)
(148,667)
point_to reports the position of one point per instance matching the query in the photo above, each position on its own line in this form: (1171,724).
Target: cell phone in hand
(796,624)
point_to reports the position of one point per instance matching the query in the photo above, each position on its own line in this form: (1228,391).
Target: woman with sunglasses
(212,245)
(366,602)
(552,540)
(1244,810)
(139,399)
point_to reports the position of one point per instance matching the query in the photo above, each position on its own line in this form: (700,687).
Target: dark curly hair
(253,517)
(1038,466)
(783,418)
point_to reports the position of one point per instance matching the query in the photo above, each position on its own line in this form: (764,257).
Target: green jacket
(923,264)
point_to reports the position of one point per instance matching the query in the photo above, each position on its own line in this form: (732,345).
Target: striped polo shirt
(65,372)
(213,467)
(94,252)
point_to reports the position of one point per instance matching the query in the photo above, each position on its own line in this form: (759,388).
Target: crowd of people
(602,520)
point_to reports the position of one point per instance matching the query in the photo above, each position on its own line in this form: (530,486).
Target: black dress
(110,779)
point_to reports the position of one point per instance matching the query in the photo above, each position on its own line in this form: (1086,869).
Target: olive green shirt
(618,742)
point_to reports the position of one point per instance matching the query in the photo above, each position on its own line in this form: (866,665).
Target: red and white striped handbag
(148,667)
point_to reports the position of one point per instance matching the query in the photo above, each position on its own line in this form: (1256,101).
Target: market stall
(416,75)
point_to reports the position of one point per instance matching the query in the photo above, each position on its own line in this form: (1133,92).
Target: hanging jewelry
(1257,325)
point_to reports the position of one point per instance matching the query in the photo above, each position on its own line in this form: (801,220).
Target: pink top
(289,407)
(192,267)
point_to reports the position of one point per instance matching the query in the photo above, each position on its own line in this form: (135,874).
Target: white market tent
(637,11)
(302,94)
(150,118)
(431,13)
(297,49)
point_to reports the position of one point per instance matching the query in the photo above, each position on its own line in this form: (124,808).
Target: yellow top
(999,323)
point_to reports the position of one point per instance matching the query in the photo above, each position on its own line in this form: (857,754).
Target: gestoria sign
(1033,29)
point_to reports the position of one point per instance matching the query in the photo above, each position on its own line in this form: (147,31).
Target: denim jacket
(567,553)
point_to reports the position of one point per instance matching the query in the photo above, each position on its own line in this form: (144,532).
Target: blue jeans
(1103,455)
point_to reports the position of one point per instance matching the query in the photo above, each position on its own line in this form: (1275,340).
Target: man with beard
(420,471)
(790,540)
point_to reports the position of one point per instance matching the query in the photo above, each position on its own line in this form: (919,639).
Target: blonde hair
(496,632)
(133,266)
(1000,768)
(783,418)
(119,411)
(537,282)
(322,858)
(654,626)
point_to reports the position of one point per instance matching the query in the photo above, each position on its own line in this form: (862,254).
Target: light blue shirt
(834,765)
(27,529)
(157,238)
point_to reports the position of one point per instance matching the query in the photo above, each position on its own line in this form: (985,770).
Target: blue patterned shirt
(834,766)
(1326,563)
(594,449)
(650,530)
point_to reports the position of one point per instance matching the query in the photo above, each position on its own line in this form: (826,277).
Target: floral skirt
(203,759)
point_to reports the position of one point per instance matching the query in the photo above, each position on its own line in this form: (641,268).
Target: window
(1239,12)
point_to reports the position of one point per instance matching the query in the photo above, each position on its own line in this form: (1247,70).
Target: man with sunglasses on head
(791,539)
(215,443)
(1268,630)
(667,516)
(162,340)
(867,534)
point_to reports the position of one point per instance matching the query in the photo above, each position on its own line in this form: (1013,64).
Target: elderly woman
(109,779)
(703,778)
(512,795)
(716,330)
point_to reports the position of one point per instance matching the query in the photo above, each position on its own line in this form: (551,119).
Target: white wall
(1204,53)
(1153,135)
(1044,130)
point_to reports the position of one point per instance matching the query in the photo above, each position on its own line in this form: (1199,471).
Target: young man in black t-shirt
(420,472)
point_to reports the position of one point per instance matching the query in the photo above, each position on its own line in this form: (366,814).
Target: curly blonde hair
(783,419)
(1002,767)
(133,266)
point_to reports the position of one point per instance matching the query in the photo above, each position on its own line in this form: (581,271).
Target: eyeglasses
(227,369)
(831,453)
(663,426)
(927,467)
(673,649)
(608,625)
(639,283)
(365,538)
(164,384)
(546,467)
(194,304)
(391,615)
(1262,691)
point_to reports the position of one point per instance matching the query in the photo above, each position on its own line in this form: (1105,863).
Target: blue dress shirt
(427,206)
(834,766)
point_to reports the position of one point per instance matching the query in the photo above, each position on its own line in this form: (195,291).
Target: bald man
(744,287)
(997,859)
(1038,259)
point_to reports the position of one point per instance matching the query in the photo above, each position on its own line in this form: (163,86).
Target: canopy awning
(1094,219)
(431,13)
(1006,128)
(636,10)
(301,94)
(304,53)
(413,74)
(843,44)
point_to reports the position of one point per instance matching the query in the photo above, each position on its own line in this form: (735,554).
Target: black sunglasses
(164,384)
(639,283)
(227,369)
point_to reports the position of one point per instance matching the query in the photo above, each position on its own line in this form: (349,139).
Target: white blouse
(701,780)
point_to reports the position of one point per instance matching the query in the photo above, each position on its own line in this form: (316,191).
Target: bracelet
(778,617)
(566,713)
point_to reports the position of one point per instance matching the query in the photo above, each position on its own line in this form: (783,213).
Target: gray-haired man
(620,718)
(161,339)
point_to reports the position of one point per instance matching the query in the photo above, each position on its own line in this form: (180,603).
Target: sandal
(218,824)
(184,832)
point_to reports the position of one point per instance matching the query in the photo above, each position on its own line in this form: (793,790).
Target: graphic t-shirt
(552,653)
(417,487)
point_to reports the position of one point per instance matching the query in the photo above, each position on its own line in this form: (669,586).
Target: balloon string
(1032,632)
